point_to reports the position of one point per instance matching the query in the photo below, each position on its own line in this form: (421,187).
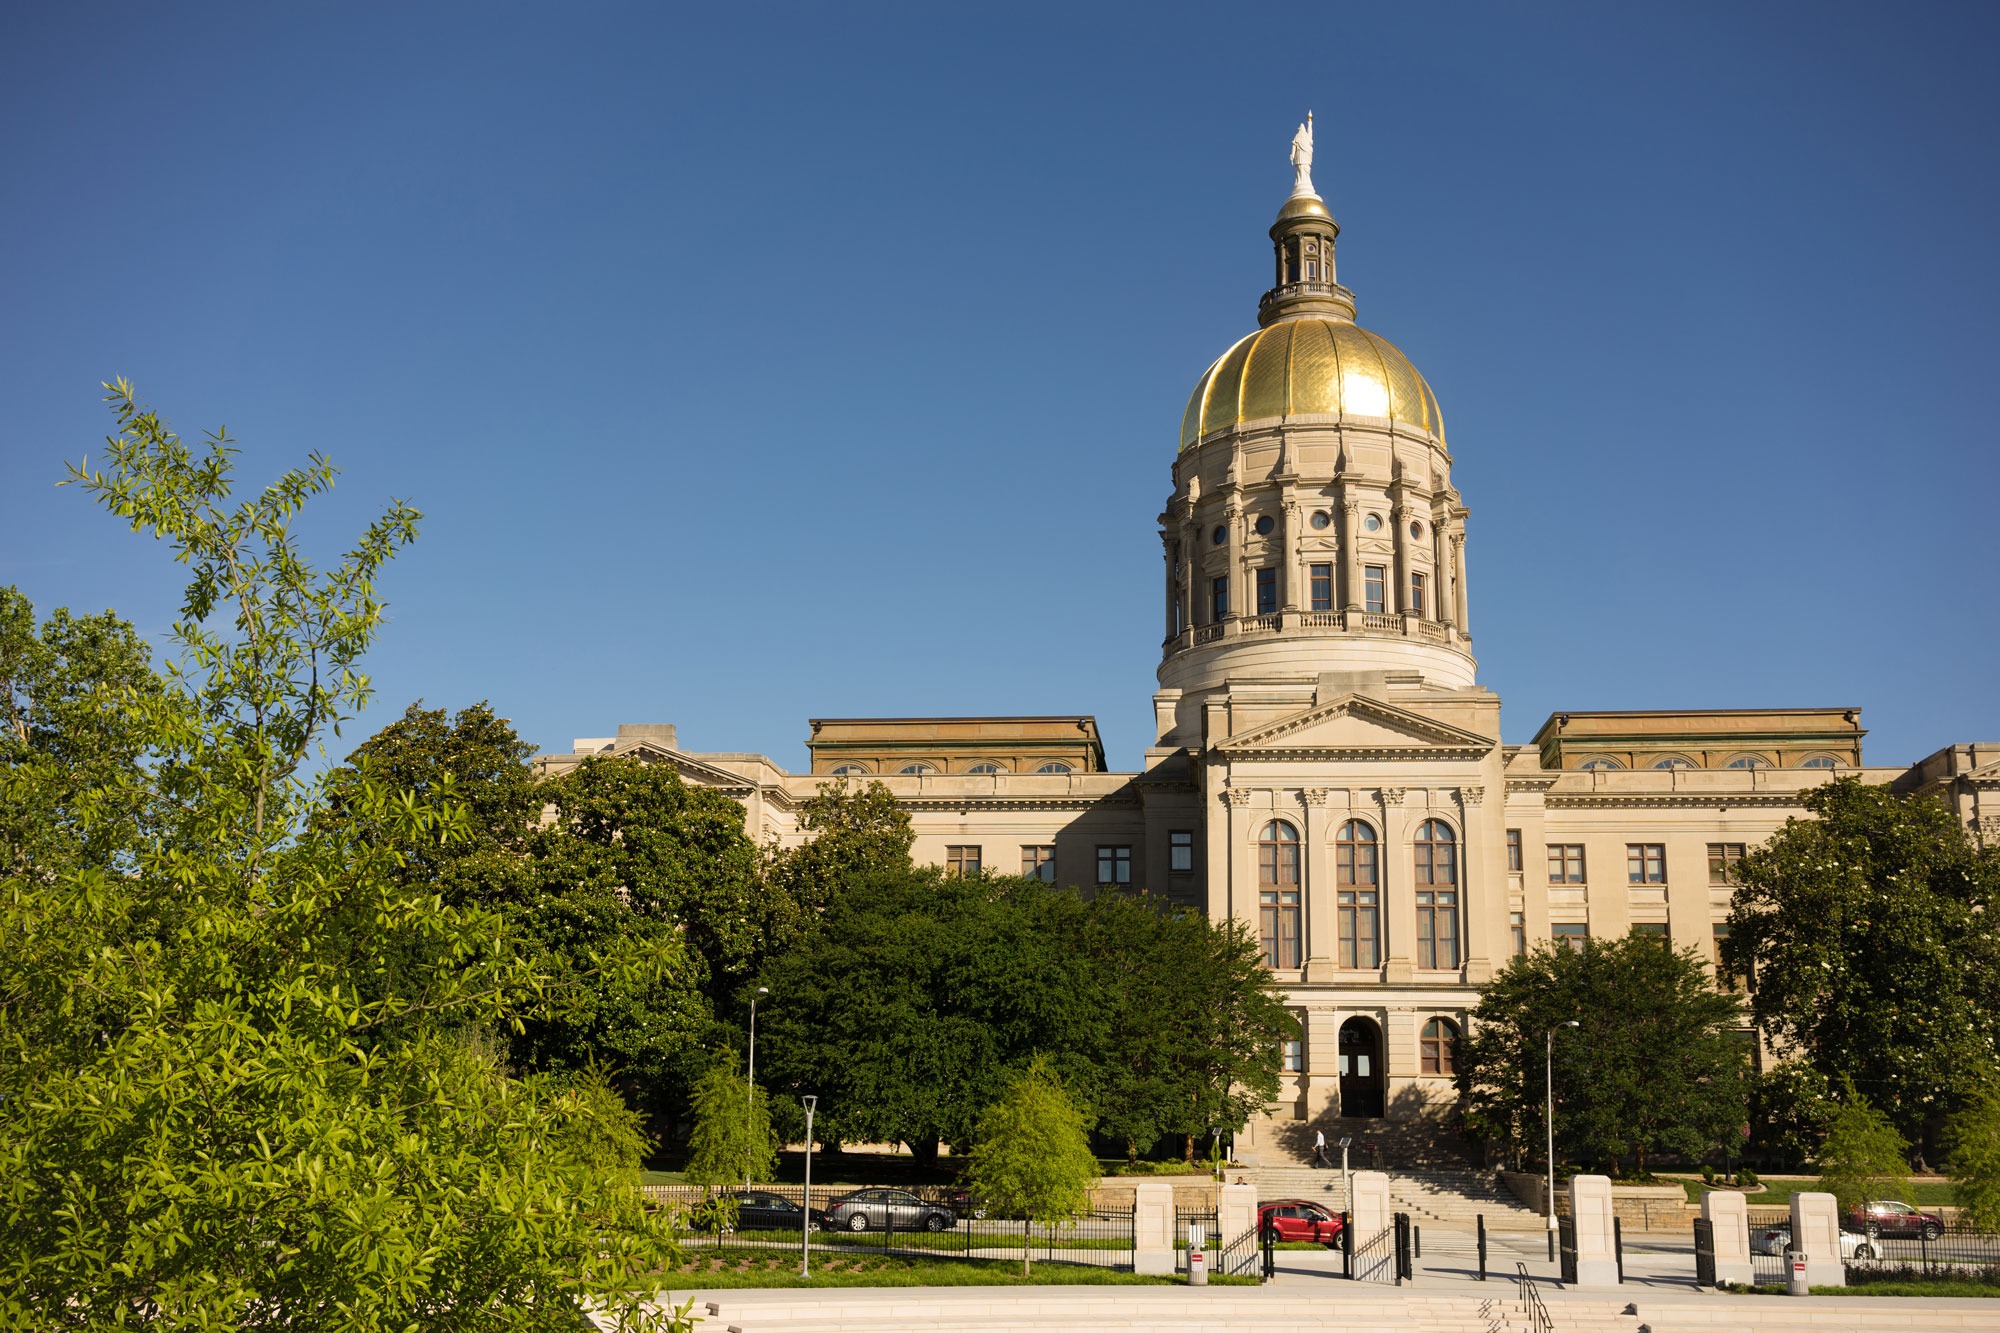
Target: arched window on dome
(1358,890)
(1278,893)
(1437,895)
(1440,1047)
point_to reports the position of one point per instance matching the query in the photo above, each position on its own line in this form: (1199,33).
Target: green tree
(856,833)
(1790,1106)
(1871,935)
(1974,1163)
(1863,1157)
(1032,1158)
(732,1139)
(1654,1066)
(247,1071)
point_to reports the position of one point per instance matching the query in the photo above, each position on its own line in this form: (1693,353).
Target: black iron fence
(1185,1218)
(1374,1258)
(1529,1298)
(1245,1256)
(1928,1247)
(1102,1237)
(1704,1252)
(1566,1248)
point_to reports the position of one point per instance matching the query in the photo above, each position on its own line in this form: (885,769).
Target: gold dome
(1310,367)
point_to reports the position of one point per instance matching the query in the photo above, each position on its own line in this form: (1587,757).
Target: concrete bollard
(1590,1209)
(1197,1260)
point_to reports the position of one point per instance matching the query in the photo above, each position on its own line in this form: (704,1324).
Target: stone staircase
(1446,1197)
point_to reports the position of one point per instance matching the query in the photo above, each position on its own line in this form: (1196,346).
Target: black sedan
(888,1210)
(759,1211)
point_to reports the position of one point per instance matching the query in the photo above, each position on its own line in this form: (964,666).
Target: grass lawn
(838,1171)
(741,1269)
(1922,1193)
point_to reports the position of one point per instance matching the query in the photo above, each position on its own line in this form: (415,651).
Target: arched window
(1821,761)
(986,768)
(851,771)
(1358,889)
(1278,893)
(1437,895)
(912,769)
(1440,1047)
(1600,761)
(1748,761)
(1673,761)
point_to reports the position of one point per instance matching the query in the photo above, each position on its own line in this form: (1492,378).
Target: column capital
(1236,796)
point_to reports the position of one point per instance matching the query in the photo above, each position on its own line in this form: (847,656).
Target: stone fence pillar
(1374,1257)
(1590,1211)
(1235,1211)
(1153,1228)
(1816,1237)
(1728,1218)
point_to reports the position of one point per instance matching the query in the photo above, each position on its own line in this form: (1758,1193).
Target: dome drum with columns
(1325,770)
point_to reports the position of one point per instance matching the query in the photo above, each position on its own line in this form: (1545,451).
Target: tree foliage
(1032,1156)
(1655,1064)
(1790,1107)
(247,1069)
(732,1139)
(1870,932)
(1863,1157)
(1974,1163)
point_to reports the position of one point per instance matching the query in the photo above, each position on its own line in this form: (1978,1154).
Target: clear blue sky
(755,362)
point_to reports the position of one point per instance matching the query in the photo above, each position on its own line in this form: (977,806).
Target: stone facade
(1326,767)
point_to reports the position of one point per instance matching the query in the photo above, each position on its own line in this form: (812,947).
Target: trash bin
(1799,1286)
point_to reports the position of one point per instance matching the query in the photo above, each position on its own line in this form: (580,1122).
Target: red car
(1300,1219)
(1886,1217)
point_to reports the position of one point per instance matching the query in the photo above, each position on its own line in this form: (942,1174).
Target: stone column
(1401,601)
(1447,581)
(1289,599)
(1318,895)
(1238,856)
(1235,1211)
(1816,1239)
(1590,1208)
(1350,550)
(1153,1228)
(1190,573)
(1240,591)
(1374,1257)
(1173,593)
(1458,578)
(1728,1218)
(1399,900)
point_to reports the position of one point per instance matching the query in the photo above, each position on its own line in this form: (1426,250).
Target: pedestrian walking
(1319,1148)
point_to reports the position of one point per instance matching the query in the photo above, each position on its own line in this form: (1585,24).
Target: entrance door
(1360,1069)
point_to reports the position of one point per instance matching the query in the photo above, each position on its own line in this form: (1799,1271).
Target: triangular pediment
(1357,726)
(1985,773)
(691,770)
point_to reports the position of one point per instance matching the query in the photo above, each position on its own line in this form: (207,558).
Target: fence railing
(1183,1217)
(1241,1257)
(1529,1297)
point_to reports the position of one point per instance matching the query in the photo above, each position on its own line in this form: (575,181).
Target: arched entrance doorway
(1360,1069)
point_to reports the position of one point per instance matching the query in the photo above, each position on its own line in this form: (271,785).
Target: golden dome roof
(1310,366)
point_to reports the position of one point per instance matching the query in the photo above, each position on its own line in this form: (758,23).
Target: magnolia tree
(249,1068)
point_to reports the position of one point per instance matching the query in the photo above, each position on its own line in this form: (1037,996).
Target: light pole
(1346,1176)
(806,1226)
(1549,1119)
(750,1092)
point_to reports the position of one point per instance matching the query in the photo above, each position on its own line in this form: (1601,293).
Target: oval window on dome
(1321,518)
(1373,523)
(1264,525)
(1220,535)
(1416,529)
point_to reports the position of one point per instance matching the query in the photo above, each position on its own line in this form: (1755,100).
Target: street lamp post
(1346,1176)
(750,1092)
(1549,1119)
(806,1226)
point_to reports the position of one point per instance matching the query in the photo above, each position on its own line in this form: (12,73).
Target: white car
(1778,1239)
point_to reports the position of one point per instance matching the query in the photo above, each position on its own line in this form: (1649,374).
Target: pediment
(1357,726)
(691,770)
(1985,774)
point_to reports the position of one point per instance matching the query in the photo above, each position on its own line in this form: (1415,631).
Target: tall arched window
(1359,892)
(1437,895)
(1440,1047)
(1278,893)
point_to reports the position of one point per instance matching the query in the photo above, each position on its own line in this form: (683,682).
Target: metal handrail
(1530,1298)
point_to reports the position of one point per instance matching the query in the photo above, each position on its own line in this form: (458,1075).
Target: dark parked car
(757,1210)
(888,1210)
(1300,1219)
(1886,1217)
(960,1201)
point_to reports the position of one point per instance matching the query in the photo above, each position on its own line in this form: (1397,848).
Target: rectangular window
(1322,587)
(1267,591)
(1114,865)
(961,862)
(1437,928)
(1372,592)
(1357,896)
(1039,862)
(1653,930)
(1565,863)
(1417,593)
(1645,863)
(1517,926)
(1722,859)
(1218,597)
(1731,981)
(1294,1056)
(1278,899)
(1180,849)
(1513,849)
(1572,933)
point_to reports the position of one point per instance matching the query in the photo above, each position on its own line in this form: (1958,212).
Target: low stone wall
(1192,1194)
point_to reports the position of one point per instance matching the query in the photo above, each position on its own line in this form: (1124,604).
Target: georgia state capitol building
(1327,768)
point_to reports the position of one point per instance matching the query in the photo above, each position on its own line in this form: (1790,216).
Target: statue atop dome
(1302,158)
